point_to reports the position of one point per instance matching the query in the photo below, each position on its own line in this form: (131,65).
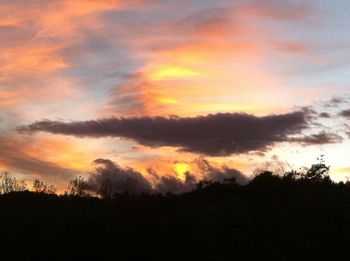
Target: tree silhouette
(40,187)
(79,187)
(10,184)
(318,171)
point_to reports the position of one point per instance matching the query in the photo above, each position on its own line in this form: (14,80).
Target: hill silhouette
(296,216)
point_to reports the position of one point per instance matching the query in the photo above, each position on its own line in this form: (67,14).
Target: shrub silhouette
(9,183)
(318,171)
(40,187)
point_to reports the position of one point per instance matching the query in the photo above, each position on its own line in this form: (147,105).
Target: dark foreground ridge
(296,216)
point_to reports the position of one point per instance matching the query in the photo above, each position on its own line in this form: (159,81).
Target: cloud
(166,183)
(279,10)
(43,43)
(180,71)
(319,138)
(21,156)
(335,102)
(219,134)
(50,158)
(220,173)
(110,178)
(37,166)
(118,179)
(206,171)
(345,113)
(324,115)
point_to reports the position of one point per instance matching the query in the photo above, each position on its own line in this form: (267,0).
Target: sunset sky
(164,87)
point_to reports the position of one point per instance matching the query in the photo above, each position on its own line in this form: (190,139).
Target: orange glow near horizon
(58,152)
(181,169)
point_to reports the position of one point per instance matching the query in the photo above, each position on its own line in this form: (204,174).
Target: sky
(173,89)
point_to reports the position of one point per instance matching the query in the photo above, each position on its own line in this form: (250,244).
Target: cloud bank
(109,178)
(219,134)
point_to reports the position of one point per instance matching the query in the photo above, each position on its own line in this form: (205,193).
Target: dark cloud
(215,134)
(345,113)
(319,138)
(324,115)
(219,174)
(111,179)
(335,102)
(164,184)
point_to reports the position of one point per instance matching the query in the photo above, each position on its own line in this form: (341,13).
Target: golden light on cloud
(172,71)
(61,152)
(166,100)
(181,168)
(221,74)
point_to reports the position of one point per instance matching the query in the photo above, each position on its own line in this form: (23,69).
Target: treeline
(106,188)
(9,183)
(300,215)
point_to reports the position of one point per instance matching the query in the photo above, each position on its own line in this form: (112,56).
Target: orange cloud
(210,61)
(56,25)
(58,152)
(58,18)
(52,159)
(34,39)
(170,163)
(186,81)
(35,59)
(216,65)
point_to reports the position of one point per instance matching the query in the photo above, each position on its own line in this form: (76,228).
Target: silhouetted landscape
(298,215)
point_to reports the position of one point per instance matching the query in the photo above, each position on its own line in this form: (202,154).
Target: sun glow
(166,100)
(172,72)
(181,169)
